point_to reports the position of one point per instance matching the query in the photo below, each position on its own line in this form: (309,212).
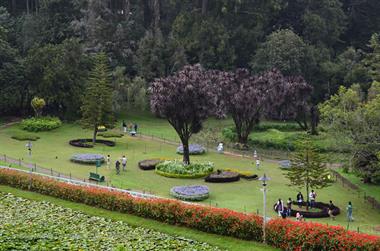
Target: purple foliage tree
(185,99)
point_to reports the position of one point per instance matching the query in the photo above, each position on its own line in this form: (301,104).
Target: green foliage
(111,134)
(23,136)
(307,168)
(97,100)
(38,104)
(62,228)
(176,169)
(40,124)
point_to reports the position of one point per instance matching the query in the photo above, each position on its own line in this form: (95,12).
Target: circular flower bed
(149,164)
(176,169)
(190,193)
(194,149)
(322,213)
(223,177)
(87,158)
(87,143)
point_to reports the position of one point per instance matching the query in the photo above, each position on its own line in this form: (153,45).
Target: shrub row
(243,174)
(110,134)
(22,136)
(281,126)
(207,219)
(294,235)
(87,143)
(40,124)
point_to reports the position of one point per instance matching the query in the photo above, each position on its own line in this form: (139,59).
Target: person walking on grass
(349,212)
(257,164)
(108,161)
(289,207)
(117,166)
(312,197)
(299,199)
(279,207)
(331,208)
(124,125)
(124,162)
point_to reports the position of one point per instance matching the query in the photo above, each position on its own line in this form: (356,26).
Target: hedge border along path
(286,234)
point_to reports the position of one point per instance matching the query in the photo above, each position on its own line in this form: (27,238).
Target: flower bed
(190,193)
(294,235)
(194,149)
(323,213)
(87,143)
(149,164)
(39,225)
(243,174)
(87,158)
(176,169)
(285,234)
(223,177)
(40,124)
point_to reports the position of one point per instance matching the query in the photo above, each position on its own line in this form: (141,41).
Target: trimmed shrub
(40,124)
(110,134)
(243,174)
(22,136)
(284,234)
(223,177)
(281,126)
(176,169)
(194,149)
(190,193)
(149,164)
(87,158)
(87,143)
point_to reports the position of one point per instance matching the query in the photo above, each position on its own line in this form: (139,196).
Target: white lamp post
(264,179)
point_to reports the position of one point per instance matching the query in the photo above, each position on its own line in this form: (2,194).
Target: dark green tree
(97,100)
(307,168)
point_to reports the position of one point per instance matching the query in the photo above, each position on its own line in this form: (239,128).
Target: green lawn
(53,151)
(215,240)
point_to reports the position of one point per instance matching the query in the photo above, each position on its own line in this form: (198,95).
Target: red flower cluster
(207,219)
(293,235)
(285,234)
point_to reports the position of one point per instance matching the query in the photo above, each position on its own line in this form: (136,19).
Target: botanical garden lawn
(222,242)
(242,196)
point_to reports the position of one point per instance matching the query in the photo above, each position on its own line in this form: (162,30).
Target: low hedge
(294,235)
(22,136)
(40,124)
(208,219)
(87,143)
(111,134)
(284,234)
(223,177)
(243,174)
(176,169)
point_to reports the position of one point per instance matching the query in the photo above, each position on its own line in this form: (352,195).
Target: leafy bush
(58,228)
(24,136)
(284,234)
(40,124)
(111,134)
(194,149)
(190,193)
(149,164)
(223,177)
(243,174)
(87,158)
(176,169)
(281,126)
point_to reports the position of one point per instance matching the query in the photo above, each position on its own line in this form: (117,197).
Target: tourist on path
(124,126)
(299,199)
(312,197)
(331,208)
(117,166)
(124,162)
(135,127)
(349,212)
(220,148)
(289,206)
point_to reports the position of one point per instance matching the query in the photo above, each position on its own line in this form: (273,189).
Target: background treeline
(46,46)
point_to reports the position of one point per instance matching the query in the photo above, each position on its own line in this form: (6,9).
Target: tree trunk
(243,138)
(204,7)
(186,152)
(94,136)
(27,7)
(314,120)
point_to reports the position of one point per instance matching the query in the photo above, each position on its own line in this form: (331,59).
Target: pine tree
(97,102)
(307,168)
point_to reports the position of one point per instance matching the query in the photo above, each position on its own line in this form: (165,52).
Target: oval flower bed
(176,169)
(87,143)
(223,177)
(87,158)
(190,193)
(322,213)
(194,149)
(149,164)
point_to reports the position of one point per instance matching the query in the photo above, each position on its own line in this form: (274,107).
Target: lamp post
(264,180)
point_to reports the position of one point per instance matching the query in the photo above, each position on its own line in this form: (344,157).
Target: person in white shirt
(124,162)
(258,164)
(108,161)
(220,147)
(312,196)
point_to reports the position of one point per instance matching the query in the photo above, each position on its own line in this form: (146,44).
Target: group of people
(132,128)
(122,161)
(286,211)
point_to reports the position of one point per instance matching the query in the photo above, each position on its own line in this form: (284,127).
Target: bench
(96,177)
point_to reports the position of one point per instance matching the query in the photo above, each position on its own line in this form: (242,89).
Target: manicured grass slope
(242,196)
(215,240)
